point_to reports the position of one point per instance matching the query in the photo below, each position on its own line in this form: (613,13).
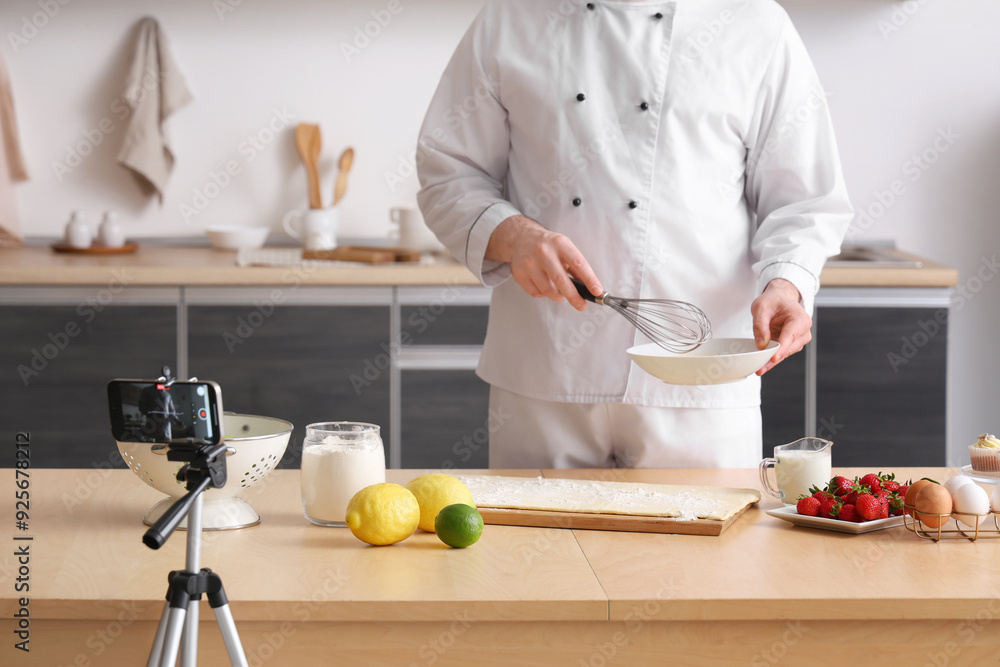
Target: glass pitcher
(798,466)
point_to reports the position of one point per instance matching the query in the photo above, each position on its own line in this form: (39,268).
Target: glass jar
(338,460)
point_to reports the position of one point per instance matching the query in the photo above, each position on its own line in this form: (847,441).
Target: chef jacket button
(633,204)
(577,201)
(590,5)
(657,16)
(580,97)
(644,106)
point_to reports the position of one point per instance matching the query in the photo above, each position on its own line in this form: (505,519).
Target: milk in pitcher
(798,470)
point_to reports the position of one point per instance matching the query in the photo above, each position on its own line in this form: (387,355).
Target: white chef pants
(532,433)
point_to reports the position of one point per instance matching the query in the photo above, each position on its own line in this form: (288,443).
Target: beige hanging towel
(155,89)
(12,169)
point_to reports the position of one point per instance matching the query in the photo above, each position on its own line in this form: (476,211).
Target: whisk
(676,326)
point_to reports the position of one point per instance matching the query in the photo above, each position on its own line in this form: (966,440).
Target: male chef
(678,150)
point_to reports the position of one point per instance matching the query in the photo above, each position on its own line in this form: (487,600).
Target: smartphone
(176,413)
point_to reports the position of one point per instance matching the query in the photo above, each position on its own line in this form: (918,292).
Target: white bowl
(256,446)
(234,237)
(718,361)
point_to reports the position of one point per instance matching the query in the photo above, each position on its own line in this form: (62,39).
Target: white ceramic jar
(78,232)
(110,232)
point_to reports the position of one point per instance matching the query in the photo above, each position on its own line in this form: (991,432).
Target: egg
(956,482)
(995,498)
(971,499)
(933,499)
(911,493)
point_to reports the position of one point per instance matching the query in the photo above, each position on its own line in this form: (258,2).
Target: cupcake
(985,455)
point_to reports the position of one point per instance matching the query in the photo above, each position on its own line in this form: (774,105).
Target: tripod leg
(161,629)
(172,637)
(189,646)
(228,628)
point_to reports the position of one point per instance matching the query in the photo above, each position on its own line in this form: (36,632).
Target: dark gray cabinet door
(881,385)
(304,364)
(445,419)
(57,361)
(783,402)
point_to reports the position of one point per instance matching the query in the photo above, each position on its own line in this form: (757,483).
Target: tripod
(179,619)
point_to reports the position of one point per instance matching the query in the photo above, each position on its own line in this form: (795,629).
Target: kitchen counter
(190,266)
(762,593)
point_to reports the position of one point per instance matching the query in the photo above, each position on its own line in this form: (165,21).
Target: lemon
(383,514)
(434,492)
(459,525)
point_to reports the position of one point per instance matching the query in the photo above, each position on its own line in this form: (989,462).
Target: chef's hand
(542,261)
(777,313)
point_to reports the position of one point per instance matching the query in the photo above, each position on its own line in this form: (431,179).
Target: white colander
(256,444)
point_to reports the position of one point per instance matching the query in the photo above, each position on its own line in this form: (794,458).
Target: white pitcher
(316,228)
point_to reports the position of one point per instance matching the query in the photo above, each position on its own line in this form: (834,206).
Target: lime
(383,514)
(459,525)
(434,492)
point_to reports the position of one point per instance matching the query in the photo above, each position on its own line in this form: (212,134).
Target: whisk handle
(584,292)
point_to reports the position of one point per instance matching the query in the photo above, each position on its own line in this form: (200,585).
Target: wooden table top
(87,560)
(189,266)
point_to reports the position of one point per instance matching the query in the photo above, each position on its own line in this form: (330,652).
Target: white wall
(891,91)
(263,56)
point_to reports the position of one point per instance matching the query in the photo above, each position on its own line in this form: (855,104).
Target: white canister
(110,233)
(78,232)
(413,233)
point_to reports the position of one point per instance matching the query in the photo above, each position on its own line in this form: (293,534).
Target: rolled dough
(684,503)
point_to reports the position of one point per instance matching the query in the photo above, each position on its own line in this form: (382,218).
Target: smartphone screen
(177,413)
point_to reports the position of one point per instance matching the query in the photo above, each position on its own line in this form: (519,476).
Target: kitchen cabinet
(439,405)
(305,355)
(874,379)
(444,419)
(59,350)
(881,383)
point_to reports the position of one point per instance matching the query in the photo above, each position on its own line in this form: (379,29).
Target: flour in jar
(334,470)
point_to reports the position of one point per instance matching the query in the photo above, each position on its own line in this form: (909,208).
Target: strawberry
(872,481)
(849,513)
(829,508)
(883,505)
(891,485)
(867,507)
(808,505)
(822,495)
(840,485)
(895,504)
(851,497)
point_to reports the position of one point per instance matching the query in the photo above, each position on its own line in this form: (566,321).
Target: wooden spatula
(343,167)
(309,142)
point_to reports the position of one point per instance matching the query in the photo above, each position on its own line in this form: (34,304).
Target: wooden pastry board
(553,502)
(616,522)
(96,249)
(367,254)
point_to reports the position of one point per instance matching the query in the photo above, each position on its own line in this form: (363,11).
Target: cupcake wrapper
(984,460)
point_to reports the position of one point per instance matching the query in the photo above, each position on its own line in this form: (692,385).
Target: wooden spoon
(309,142)
(344,166)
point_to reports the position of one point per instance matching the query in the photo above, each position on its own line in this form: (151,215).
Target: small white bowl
(234,237)
(718,361)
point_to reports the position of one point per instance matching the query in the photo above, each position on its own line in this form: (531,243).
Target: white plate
(983,477)
(789,513)
(718,361)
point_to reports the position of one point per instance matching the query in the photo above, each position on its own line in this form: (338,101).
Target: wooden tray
(616,522)
(370,255)
(96,249)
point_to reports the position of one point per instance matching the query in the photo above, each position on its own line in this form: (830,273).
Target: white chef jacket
(685,147)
